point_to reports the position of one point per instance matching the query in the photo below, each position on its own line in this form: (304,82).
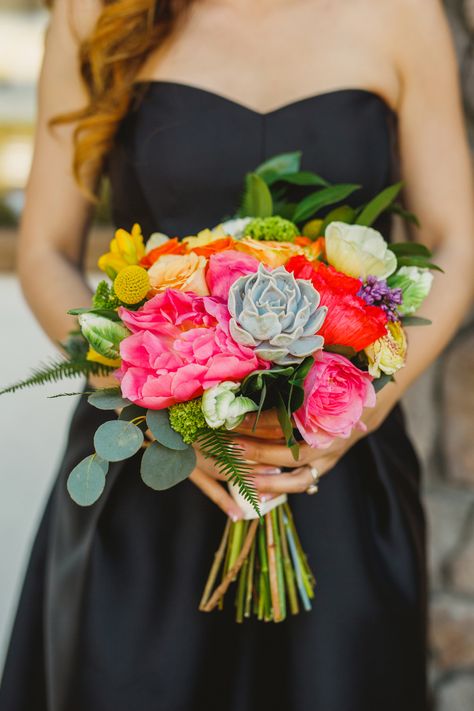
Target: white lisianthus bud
(221,406)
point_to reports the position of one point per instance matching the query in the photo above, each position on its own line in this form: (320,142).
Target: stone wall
(441,411)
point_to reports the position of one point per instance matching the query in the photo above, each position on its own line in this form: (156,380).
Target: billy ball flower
(132,284)
(277,315)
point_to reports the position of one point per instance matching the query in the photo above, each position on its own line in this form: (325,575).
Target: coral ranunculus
(350,321)
(171,246)
(179,347)
(225,268)
(336,393)
(272,254)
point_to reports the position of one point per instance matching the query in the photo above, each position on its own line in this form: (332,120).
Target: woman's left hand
(265,451)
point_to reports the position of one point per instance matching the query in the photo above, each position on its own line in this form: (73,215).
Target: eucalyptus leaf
(321,198)
(132,412)
(406,249)
(159,423)
(107,399)
(416,321)
(381,382)
(283,164)
(257,201)
(86,482)
(117,440)
(161,468)
(376,206)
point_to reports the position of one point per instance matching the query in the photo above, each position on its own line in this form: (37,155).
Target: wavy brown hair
(125,34)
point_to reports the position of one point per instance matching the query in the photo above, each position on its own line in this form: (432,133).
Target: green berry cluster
(187,418)
(272,228)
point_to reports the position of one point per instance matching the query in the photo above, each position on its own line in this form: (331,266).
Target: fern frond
(220,446)
(57,370)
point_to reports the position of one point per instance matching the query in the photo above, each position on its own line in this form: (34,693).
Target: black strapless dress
(108,617)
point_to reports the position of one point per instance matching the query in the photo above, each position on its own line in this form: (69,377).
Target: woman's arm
(437,171)
(57,215)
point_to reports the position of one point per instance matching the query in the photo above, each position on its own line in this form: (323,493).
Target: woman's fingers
(294,482)
(273,454)
(208,465)
(216,492)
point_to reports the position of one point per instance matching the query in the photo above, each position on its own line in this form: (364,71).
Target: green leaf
(382,381)
(159,423)
(257,201)
(282,164)
(344,213)
(408,216)
(304,177)
(117,440)
(296,398)
(86,482)
(417,261)
(405,249)
(287,427)
(285,210)
(302,370)
(161,467)
(376,206)
(107,399)
(346,351)
(219,445)
(106,313)
(321,198)
(416,321)
(132,412)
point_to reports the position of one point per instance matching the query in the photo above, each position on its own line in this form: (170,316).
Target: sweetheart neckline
(263,114)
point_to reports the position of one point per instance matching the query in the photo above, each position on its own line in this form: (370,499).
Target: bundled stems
(267,560)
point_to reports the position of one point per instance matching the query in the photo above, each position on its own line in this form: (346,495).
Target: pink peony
(336,392)
(179,347)
(225,268)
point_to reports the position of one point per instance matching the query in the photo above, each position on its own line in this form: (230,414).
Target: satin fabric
(108,619)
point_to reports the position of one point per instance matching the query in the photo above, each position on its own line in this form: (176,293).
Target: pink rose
(179,347)
(225,268)
(336,393)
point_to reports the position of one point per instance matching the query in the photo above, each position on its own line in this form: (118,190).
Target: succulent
(277,315)
(275,229)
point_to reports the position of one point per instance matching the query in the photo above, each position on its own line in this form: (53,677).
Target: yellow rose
(125,249)
(184,272)
(388,354)
(273,254)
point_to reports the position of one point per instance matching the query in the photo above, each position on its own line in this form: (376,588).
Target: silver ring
(314,487)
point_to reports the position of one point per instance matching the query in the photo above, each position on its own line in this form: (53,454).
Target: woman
(181,100)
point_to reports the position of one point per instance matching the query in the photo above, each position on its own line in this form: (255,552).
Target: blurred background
(33,427)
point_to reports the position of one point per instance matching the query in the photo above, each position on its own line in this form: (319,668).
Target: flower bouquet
(276,308)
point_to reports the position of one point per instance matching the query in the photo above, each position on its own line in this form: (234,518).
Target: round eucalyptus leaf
(159,423)
(103,463)
(162,468)
(108,399)
(86,482)
(117,440)
(131,412)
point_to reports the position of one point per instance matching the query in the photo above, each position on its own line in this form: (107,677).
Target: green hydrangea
(272,228)
(105,297)
(188,419)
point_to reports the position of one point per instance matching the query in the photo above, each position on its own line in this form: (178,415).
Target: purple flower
(376,292)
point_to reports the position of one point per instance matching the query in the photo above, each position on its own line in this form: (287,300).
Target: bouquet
(275,308)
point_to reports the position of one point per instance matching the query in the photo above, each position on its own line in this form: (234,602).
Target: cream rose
(175,271)
(358,251)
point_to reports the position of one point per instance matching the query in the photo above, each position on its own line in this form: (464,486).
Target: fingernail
(269,470)
(235,516)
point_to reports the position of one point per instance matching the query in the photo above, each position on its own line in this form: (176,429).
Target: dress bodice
(181,154)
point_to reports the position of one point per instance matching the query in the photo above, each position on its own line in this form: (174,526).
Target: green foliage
(220,446)
(117,440)
(272,228)
(408,249)
(57,370)
(187,418)
(276,168)
(379,203)
(304,177)
(105,297)
(257,199)
(416,321)
(311,204)
(344,213)
(107,399)
(417,261)
(159,423)
(86,482)
(161,467)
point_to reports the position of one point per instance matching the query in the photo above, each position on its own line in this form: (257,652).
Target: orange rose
(184,272)
(219,245)
(171,246)
(273,254)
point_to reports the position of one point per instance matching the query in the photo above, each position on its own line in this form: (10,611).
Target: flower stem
(272,567)
(218,557)
(250,580)
(279,563)
(288,568)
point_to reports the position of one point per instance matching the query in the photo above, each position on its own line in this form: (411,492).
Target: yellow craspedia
(132,284)
(312,229)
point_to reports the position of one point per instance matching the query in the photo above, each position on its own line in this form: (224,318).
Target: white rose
(358,251)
